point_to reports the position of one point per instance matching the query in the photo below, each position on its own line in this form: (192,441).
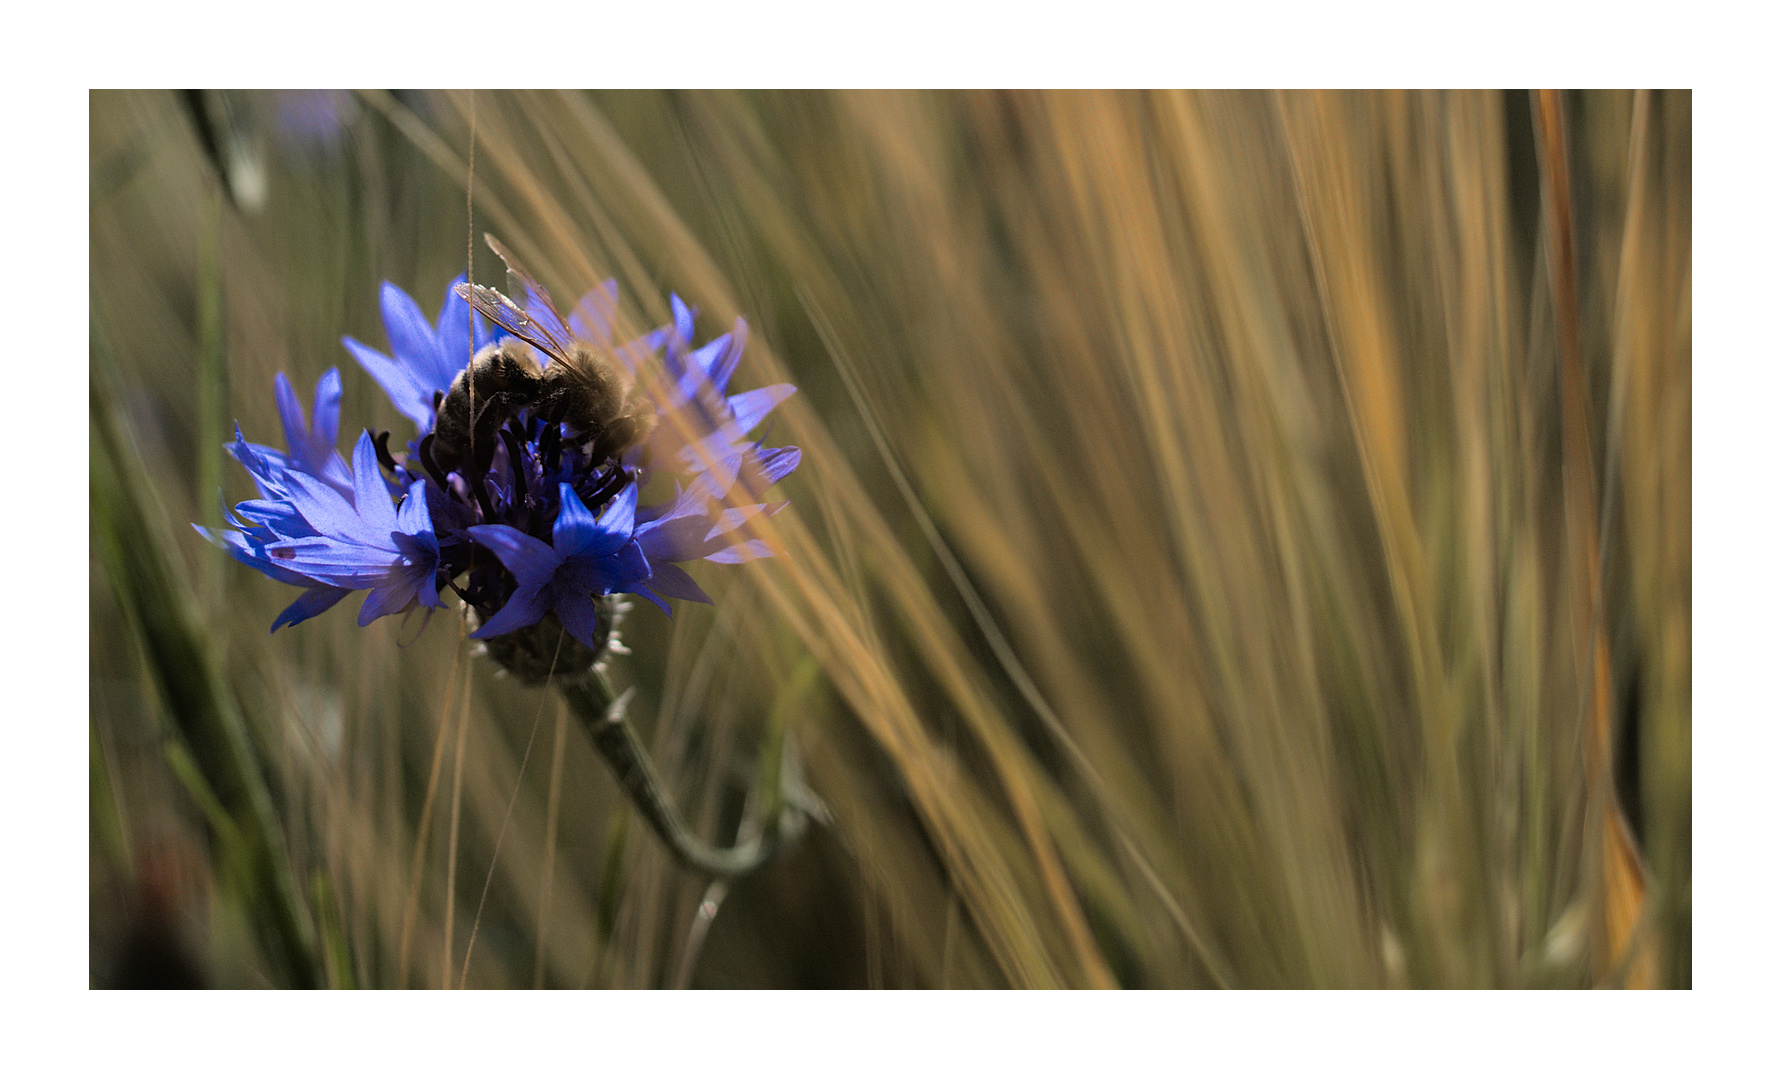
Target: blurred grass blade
(133,546)
(1615,859)
(105,810)
(213,384)
(336,949)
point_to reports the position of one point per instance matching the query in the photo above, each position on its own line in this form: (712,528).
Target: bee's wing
(516,272)
(536,297)
(510,317)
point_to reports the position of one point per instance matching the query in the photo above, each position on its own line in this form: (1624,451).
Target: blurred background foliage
(1234,547)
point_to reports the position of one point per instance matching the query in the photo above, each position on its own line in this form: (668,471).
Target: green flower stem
(592,700)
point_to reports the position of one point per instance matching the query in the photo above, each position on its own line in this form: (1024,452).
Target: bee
(579,387)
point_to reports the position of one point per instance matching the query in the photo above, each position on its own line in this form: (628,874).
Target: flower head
(541,527)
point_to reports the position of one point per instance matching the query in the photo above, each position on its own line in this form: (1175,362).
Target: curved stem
(592,700)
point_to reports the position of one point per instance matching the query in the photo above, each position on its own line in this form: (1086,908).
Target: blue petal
(428,593)
(274,515)
(530,560)
(290,413)
(578,616)
(249,554)
(654,599)
(777,464)
(326,510)
(461,335)
(629,564)
(229,517)
(705,488)
(413,519)
(575,528)
(617,572)
(678,536)
(717,455)
(745,552)
(683,319)
(309,605)
(264,464)
(448,516)
(334,562)
(326,431)
(415,536)
(316,455)
(673,581)
(404,390)
(578,533)
(732,519)
(592,319)
(396,595)
(647,514)
(752,407)
(371,498)
(526,606)
(617,522)
(697,374)
(412,338)
(721,371)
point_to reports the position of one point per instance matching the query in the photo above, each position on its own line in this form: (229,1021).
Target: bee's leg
(516,464)
(482,454)
(613,483)
(601,446)
(550,447)
(427,461)
(475,480)
(382,443)
(551,407)
(488,420)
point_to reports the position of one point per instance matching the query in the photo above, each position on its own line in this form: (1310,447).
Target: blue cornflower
(427,357)
(545,451)
(334,530)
